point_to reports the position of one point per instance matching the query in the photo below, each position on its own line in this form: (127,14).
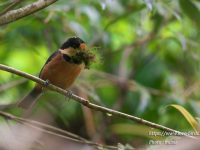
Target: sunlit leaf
(191,120)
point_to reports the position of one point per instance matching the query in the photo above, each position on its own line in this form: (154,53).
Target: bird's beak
(83,46)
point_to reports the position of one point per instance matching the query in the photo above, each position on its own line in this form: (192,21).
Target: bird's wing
(48,60)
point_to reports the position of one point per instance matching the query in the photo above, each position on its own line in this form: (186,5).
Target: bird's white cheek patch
(68,51)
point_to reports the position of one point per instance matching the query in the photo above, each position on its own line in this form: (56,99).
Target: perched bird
(61,68)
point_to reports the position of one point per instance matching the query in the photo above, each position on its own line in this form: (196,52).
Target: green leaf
(136,130)
(190,10)
(187,116)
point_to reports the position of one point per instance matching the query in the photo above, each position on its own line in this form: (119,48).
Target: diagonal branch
(89,104)
(12,5)
(14,15)
(51,130)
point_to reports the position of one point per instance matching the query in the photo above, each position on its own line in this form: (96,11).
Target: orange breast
(61,73)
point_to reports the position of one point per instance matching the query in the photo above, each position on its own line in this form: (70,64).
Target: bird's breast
(60,72)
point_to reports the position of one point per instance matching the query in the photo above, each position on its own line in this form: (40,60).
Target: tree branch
(51,130)
(12,5)
(14,15)
(11,84)
(89,104)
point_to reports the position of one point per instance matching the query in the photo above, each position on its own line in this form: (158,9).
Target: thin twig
(45,129)
(89,104)
(191,89)
(131,83)
(11,84)
(14,15)
(48,127)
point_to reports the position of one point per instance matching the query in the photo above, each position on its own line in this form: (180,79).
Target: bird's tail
(30,99)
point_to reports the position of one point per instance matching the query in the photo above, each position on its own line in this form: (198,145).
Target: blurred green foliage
(150,55)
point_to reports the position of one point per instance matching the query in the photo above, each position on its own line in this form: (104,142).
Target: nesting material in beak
(87,56)
(82,54)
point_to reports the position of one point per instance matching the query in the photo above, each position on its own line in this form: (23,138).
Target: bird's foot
(46,83)
(69,95)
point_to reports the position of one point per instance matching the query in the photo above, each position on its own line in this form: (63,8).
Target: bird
(61,69)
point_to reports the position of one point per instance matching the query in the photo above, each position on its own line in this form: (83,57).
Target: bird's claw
(46,83)
(69,95)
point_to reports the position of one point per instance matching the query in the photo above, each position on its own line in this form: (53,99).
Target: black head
(73,42)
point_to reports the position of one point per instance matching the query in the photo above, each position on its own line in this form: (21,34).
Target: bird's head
(73,46)
(76,49)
